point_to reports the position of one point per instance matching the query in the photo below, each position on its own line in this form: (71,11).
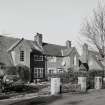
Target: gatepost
(82,83)
(98,82)
(55,85)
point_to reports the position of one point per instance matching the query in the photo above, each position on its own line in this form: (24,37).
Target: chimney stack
(85,53)
(38,38)
(68,44)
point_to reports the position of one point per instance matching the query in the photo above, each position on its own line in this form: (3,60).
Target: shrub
(23,72)
(20,71)
(11,70)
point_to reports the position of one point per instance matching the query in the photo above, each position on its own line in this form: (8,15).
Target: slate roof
(5,43)
(8,43)
(95,56)
(68,52)
(15,44)
(53,49)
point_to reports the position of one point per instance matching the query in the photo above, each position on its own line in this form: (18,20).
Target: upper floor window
(38,58)
(52,59)
(21,55)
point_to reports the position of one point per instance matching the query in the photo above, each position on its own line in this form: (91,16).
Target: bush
(11,70)
(23,72)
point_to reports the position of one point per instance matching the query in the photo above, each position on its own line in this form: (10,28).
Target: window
(38,72)
(52,59)
(21,55)
(38,58)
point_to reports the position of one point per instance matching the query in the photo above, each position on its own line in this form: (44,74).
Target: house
(42,58)
(70,57)
(90,59)
(62,58)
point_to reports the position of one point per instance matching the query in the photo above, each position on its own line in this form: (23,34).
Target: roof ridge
(54,44)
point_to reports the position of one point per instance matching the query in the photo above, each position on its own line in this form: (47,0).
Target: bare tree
(94,29)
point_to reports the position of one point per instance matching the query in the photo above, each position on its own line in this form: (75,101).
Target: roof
(94,55)
(9,43)
(5,43)
(15,44)
(68,51)
(53,49)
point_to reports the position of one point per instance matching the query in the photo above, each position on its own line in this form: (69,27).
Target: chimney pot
(68,44)
(85,53)
(38,38)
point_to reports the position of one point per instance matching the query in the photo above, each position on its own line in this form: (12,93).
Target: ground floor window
(38,72)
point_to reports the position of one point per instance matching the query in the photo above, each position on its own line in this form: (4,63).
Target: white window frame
(38,72)
(52,59)
(38,57)
(22,55)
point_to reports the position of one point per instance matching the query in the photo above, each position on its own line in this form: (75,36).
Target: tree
(94,29)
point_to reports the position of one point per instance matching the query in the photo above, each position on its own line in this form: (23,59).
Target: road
(94,97)
(91,98)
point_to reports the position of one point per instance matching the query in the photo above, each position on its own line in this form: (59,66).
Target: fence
(70,79)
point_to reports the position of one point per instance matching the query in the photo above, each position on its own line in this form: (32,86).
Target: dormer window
(22,55)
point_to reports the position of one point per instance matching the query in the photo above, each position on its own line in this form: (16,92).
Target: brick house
(40,57)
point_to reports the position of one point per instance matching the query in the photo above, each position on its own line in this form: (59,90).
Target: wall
(54,63)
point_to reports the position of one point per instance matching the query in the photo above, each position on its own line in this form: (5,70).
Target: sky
(57,20)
